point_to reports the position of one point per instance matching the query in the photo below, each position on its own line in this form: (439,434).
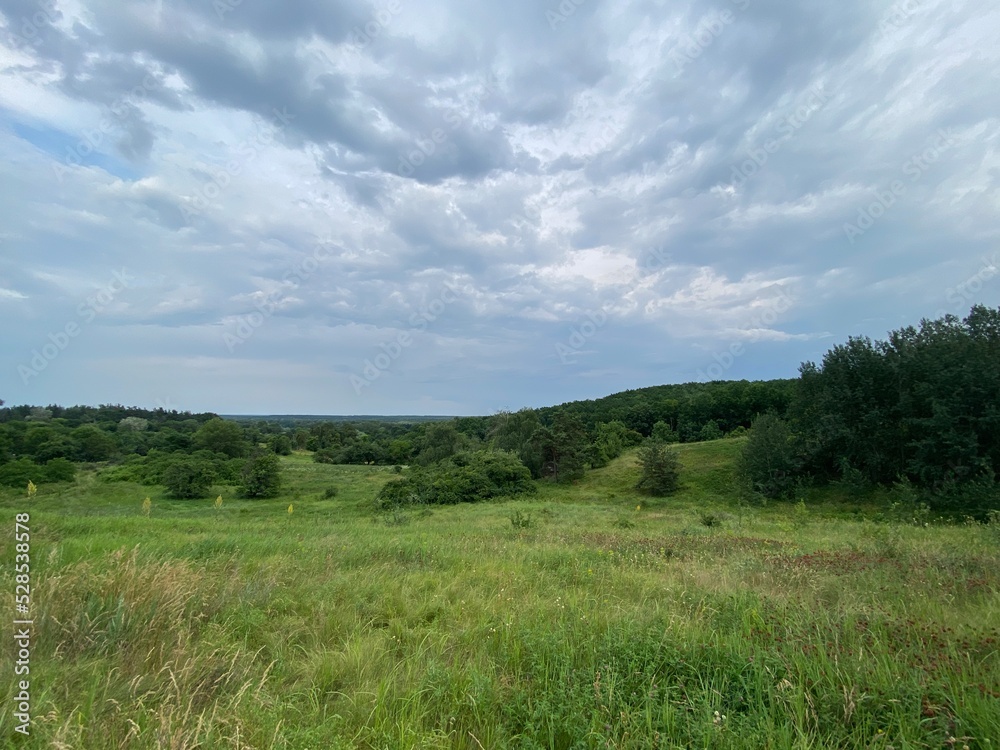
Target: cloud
(312,176)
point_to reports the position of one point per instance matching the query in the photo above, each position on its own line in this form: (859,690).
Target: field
(587,616)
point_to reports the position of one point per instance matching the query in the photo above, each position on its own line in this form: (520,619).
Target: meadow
(586,616)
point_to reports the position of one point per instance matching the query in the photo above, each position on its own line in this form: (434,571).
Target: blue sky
(453,208)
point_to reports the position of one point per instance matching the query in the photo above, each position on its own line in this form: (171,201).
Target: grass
(609,620)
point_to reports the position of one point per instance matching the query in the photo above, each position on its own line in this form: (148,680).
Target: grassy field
(587,616)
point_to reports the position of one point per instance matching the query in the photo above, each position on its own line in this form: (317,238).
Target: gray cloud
(313,176)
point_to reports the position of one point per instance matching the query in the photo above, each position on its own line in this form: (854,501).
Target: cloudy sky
(417,207)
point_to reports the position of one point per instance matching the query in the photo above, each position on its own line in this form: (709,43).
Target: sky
(415,207)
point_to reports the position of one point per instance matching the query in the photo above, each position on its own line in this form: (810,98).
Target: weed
(712,519)
(521,520)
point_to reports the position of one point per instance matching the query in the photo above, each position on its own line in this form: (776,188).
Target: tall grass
(609,621)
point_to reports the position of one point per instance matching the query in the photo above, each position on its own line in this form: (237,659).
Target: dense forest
(918,411)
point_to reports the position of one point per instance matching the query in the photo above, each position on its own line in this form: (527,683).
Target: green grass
(609,620)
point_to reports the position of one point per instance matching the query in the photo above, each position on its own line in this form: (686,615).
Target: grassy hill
(586,616)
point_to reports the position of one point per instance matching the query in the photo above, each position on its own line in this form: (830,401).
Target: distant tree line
(920,411)
(187,453)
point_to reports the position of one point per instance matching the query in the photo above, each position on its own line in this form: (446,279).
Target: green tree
(261,476)
(664,433)
(221,436)
(441,440)
(281,444)
(767,464)
(93,444)
(710,431)
(186,479)
(513,431)
(659,469)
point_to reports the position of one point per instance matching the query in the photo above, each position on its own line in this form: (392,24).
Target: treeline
(42,444)
(185,452)
(560,441)
(918,412)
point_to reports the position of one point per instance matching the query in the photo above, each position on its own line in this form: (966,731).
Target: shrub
(280,444)
(659,473)
(188,479)
(326,456)
(330,492)
(19,473)
(59,470)
(521,520)
(767,463)
(465,477)
(711,431)
(261,476)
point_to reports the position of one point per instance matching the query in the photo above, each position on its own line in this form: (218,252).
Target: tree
(513,431)
(221,436)
(93,444)
(767,464)
(261,476)
(281,444)
(924,405)
(462,478)
(710,431)
(186,479)
(659,469)
(441,440)
(133,424)
(664,433)
(610,439)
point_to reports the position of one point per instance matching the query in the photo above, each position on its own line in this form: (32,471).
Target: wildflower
(290,509)
(32,489)
(218,502)
(147,505)
(638,507)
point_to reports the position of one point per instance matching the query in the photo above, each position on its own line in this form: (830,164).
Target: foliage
(610,439)
(710,431)
(188,478)
(280,444)
(261,477)
(221,436)
(767,464)
(923,404)
(465,477)
(521,520)
(832,634)
(664,433)
(659,469)
(18,473)
(440,441)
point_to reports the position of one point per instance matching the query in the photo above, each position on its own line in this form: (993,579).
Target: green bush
(711,431)
(19,473)
(463,478)
(59,470)
(261,476)
(767,463)
(659,469)
(188,479)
